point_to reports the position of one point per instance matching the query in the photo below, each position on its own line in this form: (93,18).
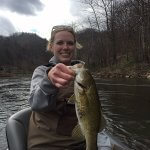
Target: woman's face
(63,47)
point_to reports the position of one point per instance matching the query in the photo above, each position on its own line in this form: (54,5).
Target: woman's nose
(65,45)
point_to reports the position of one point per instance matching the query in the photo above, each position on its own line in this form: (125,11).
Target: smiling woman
(53,117)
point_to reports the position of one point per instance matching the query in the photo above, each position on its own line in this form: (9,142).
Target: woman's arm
(42,91)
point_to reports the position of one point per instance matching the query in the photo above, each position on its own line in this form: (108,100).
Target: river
(125,104)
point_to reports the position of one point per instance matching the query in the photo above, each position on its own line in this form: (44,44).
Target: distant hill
(23,51)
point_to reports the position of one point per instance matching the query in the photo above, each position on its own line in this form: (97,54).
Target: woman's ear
(50,47)
(51,50)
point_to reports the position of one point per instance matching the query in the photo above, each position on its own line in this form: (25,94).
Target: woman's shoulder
(40,68)
(44,67)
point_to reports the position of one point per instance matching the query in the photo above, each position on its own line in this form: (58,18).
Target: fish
(87,105)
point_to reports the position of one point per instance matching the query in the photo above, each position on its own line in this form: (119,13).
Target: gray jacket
(42,92)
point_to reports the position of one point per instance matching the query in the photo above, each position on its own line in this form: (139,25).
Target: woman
(53,120)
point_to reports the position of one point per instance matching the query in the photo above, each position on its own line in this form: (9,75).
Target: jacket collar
(54,61)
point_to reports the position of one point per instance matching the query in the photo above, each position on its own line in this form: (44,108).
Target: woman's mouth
(65,54)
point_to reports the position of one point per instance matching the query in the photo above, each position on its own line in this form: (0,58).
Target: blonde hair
(59,28)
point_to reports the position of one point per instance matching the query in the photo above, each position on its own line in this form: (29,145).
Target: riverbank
(7,71)
(14,73)
(139,71)
(116,71)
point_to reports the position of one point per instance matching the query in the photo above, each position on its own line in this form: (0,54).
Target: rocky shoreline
(131,75)
(14,74)
(140,72)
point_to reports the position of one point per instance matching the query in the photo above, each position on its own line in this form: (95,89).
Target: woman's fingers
(61,75)
(66,70)
(59,80)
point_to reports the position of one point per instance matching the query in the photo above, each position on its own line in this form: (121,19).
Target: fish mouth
(81,85)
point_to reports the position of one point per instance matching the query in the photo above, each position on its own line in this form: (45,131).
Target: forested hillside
(22,51)
(117,35)
(114,34)
(117,29)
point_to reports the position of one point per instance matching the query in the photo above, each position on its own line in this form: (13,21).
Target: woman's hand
(61,75)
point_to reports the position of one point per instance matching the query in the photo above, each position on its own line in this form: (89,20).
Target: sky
(36,16)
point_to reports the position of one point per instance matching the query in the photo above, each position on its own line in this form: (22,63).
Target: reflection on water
(14,94)
(125,105)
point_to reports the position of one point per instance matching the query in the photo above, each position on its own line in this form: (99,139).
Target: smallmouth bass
(87,104)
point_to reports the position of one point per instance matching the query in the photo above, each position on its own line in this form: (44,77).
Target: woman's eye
(63,42)
(70,43)
(60,43)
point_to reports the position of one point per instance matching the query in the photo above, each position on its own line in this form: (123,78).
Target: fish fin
(77,133)
(71,99)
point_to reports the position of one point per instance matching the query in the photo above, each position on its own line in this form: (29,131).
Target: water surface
(125,104)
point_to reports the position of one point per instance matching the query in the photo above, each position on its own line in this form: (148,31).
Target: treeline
(118,31)
(113,32)
(22,51)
